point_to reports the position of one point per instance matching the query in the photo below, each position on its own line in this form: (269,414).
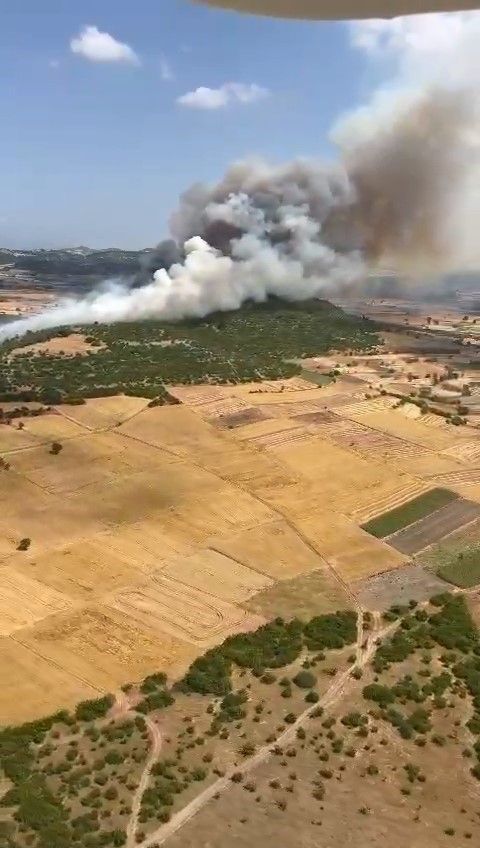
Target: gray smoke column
(405,193)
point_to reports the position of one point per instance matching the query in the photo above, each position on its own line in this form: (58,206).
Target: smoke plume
(404,193)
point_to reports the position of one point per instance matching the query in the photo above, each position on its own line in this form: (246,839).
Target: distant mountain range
(69,267)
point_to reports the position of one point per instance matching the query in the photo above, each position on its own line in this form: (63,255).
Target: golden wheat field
(156,532)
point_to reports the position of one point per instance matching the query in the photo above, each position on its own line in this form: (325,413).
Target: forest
(257,342)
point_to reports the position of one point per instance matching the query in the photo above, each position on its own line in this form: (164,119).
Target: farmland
(139,529)
(174,529)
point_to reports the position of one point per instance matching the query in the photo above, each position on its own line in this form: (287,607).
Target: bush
(312,697)
(305,680)
(97,708)
(290,718)
(24,544)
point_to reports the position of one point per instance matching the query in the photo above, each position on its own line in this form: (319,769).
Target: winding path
(156,738)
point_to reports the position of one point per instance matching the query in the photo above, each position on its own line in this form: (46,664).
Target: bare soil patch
(75,343)
(411,582)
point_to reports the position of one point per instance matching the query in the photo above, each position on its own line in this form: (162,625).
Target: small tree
(24,544)
(56,448)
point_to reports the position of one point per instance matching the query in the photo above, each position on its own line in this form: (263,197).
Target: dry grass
(352,552)
(387,497)
(103,646)
(33,686)
(24,600)
(102,413)
(310,594)
(274,550)
(61,345)
(166,605)
(225,578)
(413,431)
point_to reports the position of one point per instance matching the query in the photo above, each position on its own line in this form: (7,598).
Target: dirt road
(156,738)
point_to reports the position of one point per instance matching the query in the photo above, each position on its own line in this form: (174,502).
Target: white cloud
(211,99)
(166,71)
(102,47)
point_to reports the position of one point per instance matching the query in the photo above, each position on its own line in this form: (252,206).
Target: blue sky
(96,152)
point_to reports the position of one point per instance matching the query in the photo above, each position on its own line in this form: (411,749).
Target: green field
(250,344)
(464,571)
(457,558)
(408,513)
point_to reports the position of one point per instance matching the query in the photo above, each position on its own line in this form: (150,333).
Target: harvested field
(174,428)
(249,415)
(220,575)
(266,427)
(347,433)
(390,422)
(340,401)
(282,437)
(96,566)
(437,421)
(102,413)
(462,477)
(368,407)
(353,553)
(261,398)
(104,645)
(197,395)
(274,550)
(303,597)
(465,452)
(24,600)
(347,480)
(33,686)
(286,410)
(317,418)
(435,526)
(426,463)
(409,512)
(390,495)
(214,410)
(166,605)
(412,582)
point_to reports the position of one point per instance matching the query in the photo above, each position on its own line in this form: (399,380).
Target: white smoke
(406,192)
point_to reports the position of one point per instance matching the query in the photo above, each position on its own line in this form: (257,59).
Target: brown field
(33,686)
(434,527)
(249,415)
(165,604)
(209,569)
(103,413)
(398,587)
(67,345)
(103,646)
(24,600)
(461,477)
(274,550)
(352,552)
(389,496)
(465,452)
(394,424)
(310,594)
